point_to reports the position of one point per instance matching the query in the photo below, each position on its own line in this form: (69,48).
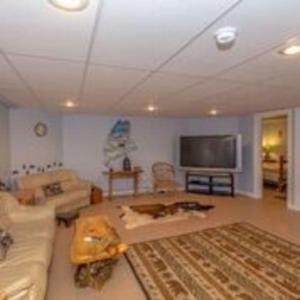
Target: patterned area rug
(237,261)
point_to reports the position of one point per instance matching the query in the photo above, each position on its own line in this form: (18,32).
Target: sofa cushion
(8,203)
(32,214)
(5,221)
(76,192)
(35,250)
(37,180)
(38,228)
(52,189)
(23,274)
(67,197)
(26,281)
(64,175)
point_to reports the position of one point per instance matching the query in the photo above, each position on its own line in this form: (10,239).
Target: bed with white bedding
(274,171)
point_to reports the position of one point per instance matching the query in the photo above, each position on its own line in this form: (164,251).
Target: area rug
(133,219)
(236,261)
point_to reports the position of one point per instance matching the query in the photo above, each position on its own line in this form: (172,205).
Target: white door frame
(258,176)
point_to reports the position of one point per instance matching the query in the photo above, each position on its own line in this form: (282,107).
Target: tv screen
(210,152)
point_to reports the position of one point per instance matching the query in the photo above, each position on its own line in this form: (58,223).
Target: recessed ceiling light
(70,5)
(213,112)
(291,50)
(70,104)
(291,47)
(151,107)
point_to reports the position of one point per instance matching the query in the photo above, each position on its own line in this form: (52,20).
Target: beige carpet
(269,215)
(237,261)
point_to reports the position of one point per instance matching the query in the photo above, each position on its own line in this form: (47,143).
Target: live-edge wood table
(134,174)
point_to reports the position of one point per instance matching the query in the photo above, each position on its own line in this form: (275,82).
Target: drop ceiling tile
(257,98)
(288,80)
(53,98)
(110,83)
(50,75)
(263,68)
(161,86)
(37,28)
(209,88)
(142,34)
(199,93)
(8,78)
(19,97)
(95,107)
(261,25)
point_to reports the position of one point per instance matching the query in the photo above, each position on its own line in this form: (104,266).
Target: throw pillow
(39,196)
(6,241)
(52,189)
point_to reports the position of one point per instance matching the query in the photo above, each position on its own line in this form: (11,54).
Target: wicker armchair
(163,177)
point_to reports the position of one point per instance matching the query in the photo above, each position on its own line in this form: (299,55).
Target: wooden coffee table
(95,249)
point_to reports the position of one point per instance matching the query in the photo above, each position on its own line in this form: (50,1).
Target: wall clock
(40,129)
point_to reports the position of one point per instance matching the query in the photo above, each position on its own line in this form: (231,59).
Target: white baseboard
(149,190)
(129,192)
(248,194)
(145,190)
(292,206)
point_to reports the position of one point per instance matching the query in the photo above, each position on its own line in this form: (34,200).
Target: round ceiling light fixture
(225,37)
(291,47)
(69,103)
(151,108)
(213,112)
(291,50)
(70,5)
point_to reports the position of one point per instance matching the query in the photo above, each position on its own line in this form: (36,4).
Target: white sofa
(76,192)
(23,273)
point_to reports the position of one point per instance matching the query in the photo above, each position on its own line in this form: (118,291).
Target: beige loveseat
(24,271)
(76,192)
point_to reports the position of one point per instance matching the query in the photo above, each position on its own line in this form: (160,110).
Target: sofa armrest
(76,185)
(31,213)
(84,184)
(24,281)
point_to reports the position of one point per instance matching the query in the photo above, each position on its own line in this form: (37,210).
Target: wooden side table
(133,174)
(96,195)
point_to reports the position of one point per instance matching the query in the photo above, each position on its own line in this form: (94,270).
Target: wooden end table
(133,174)
(96,195)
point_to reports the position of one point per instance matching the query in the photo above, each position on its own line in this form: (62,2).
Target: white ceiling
(116,57)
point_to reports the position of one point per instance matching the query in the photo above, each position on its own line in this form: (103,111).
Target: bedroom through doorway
(274,157)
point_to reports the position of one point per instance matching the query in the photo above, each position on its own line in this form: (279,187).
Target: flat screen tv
(211,153)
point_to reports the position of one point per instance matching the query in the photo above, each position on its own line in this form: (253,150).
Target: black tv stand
(210,183)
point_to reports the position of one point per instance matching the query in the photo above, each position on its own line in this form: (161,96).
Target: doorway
(283,188)
(274,154)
